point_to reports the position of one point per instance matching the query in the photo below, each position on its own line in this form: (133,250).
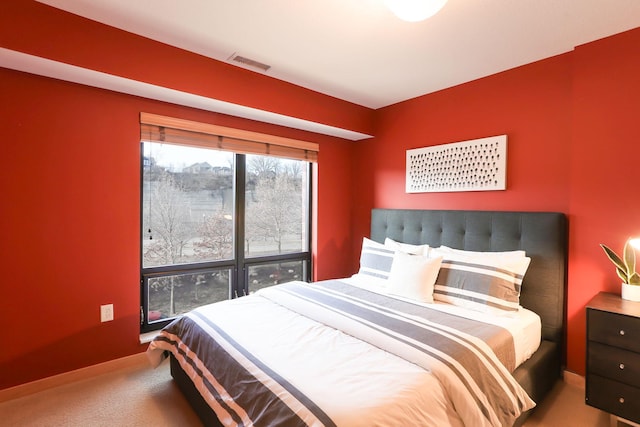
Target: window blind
(156,128)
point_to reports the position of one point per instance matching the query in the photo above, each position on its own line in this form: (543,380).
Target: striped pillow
(489,284)
(375,259)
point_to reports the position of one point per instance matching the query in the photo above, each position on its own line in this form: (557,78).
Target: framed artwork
(475,165)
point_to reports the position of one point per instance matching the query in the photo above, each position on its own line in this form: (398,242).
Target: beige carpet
(565,407)
(141,396)
(129,397)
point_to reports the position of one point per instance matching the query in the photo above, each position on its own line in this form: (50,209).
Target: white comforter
(354,382)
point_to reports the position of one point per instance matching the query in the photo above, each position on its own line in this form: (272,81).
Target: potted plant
(626,269)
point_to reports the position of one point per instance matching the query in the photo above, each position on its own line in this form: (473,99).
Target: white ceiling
(357,50)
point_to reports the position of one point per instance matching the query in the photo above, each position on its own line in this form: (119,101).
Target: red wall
(41,30)
(70,181)
(70,175)
(572,128)
(70,220)
(605,207)
(334,235)
(531,105)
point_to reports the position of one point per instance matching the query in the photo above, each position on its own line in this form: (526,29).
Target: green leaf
(629,258)
(634,279)
(615,259)
(622,274)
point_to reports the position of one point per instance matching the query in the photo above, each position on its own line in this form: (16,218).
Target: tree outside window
(189,226)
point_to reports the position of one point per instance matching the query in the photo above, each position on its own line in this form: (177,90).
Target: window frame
(239,265)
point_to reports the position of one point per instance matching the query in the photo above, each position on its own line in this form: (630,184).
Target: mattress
(323,375)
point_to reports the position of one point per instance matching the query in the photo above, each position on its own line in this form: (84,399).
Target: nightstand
(613,356)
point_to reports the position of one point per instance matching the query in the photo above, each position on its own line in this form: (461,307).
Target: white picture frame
(473,165)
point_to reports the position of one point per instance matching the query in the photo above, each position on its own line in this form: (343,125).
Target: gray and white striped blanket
(471,359)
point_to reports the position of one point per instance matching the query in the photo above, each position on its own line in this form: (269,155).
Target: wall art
(475,165)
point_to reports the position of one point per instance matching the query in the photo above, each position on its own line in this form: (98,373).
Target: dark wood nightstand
(613,356)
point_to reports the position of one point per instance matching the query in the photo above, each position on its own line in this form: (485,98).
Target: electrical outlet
(106,313)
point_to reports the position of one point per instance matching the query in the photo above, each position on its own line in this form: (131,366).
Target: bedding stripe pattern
(482,389)
(218,365)
(244,391)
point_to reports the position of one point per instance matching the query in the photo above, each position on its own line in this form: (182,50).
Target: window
(218,224)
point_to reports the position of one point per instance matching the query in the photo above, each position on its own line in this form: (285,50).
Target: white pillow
(375,259)
(413,276)
(407,247)
(518,253)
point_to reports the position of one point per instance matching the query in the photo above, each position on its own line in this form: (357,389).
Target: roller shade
(156,128)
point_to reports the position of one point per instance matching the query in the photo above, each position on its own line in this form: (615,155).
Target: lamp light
(414,10)
(635,242)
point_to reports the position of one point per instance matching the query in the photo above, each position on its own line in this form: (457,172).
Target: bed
(352,352)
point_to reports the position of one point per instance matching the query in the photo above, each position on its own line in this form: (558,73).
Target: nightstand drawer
(614,329)
(613,397)
(614,363)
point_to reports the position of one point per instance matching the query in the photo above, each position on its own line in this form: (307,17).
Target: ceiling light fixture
(414,10)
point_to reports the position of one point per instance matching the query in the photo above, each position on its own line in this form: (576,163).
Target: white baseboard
(135,360)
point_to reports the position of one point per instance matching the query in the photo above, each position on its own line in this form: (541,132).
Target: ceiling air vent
(249,62)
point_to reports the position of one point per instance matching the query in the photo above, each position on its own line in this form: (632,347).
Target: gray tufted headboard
(543,235)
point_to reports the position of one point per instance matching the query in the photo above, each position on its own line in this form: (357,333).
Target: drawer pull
(621,400)
(621,331)
(622,366)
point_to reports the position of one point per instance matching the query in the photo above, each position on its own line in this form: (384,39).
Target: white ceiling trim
(58,70)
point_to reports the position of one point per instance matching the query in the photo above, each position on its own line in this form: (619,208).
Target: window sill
(147,337)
